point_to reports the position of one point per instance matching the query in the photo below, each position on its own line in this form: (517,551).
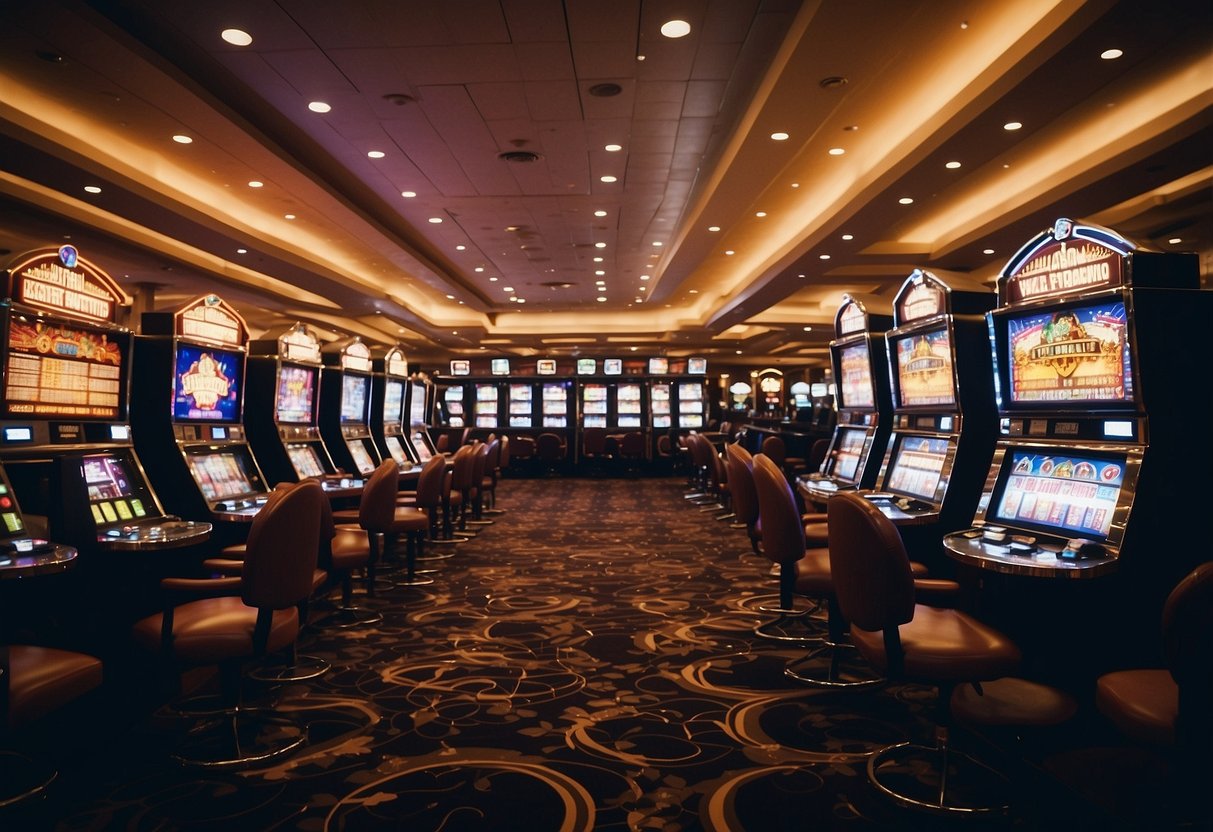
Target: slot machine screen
(55,370)
(848,454)
(925,376)
(1059,492)
(116,493)
(222,475)
(305,461)
(1071,356)
(206,384)
(396,449)
(422,449)
(917,465)
(417,405)
(393,401)
(354,395)
(296,399)
(362,457)
(855,382)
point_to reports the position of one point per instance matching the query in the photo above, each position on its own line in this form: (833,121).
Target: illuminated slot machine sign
(64,358)
(295,402)
(924,369)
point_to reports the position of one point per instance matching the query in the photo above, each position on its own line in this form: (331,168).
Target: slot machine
(23,553)
(388,392)
(944,421)
(420,404)
(860,362)
(1099,471)
(64,429)
(193,442)
(345,407)
(281,410)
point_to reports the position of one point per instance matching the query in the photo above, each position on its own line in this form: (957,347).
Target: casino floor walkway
(585,663)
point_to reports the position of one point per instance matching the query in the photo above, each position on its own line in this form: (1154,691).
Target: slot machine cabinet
(281,409)
(64,430)
(860,365)
(24,553)
(1099,471)
(389,390)
(345,407)
(419,406)
(187,411)
(944,420)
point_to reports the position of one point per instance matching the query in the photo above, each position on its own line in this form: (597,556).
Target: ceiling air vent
(518,156)
(607,90)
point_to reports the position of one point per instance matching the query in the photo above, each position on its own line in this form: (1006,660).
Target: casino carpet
(584,663)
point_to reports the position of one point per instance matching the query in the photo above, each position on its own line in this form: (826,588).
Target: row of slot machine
(1028,440)
(654,395)
(111,441)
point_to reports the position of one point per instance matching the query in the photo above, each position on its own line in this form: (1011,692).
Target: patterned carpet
(586,662)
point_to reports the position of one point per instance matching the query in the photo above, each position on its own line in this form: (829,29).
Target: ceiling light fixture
(461,248)
(599,245)
(693,292)
(613,148)
(823,257)
(608,179)
(92,189)
(713,228)
(435,220)
(760,214)
(808,329)
(242,251)
(181,138)
(375,154)
(1111,54)
(600,213)
(599,271)
(780,136)
(288,216)
(675,28)
(450,297)
(319,107)
(507,288)
(644,277)
(601,299)
(256,184)
(521,300)
(492,280)
(836,151)
(729,252)
(236,37)
(795,184)
(987,251)
(478,269)
(1012,125)
(658,243)
(905,200)
(597,259)
(408,194)
(848,236)
(1175,241)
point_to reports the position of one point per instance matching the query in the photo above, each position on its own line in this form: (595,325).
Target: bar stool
(496,467)
(741,490)
(481,465)
(384,521)
(431,499)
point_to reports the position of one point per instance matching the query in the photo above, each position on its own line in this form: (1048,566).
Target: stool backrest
(741,484)
(282,549)
(782,531)
(869,567)
(1187,630)
(462,468)
(377,508)
(430,482)
(774,447)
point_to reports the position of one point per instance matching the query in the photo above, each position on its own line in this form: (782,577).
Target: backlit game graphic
(55,370)
(924,369)
(856,381)
(393,401)
(354,391)
(206,384)
(918,466)
(1062,491)
(296,394)
(1075,354)
(848,454)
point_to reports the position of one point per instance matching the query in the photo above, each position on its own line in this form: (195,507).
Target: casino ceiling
(537,177)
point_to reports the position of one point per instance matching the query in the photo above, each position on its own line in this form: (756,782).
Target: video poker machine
(282,410)
(389,389)
(64,433)
(187,411)
(944,420)
(345,406)
(1100,351)
(420,408)
(858,356)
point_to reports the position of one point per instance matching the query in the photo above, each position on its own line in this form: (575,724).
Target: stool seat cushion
(1143,704)
(410,520)
(813,573)
(345,515)
(350,548)
(816,534)
(45,679)
(236,551)
(1012,701)
(214,630)
(944,645)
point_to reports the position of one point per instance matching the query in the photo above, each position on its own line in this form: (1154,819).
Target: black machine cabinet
(345,407)
(389,394)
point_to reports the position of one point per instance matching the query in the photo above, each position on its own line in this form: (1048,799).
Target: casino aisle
(586,662)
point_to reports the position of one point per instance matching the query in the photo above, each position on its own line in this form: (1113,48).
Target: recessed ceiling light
(408,194)
(478,269)
(597,259)
(92,189)
(644,277)
(236,37)
(642,288)
(675,28)
(375,154)
(599,271)
(760,214)
(729,252)
(780,136)
(513,298)
(521,300)
(1111,54)
(836,151)
(613,148)
(851,128)
(713,228)
(1012,125)
(507,288)
(242,251)
(288,216)
(905,200)
(693,292)
(800,275)
(461,248)
(600,213)
(319,107)
(823,257)
(848,236)
(658,243)
(987,251)
(450,297)
(492,280)
(952,165)
(256,184)
(181,138)
(739,352)
(599,245)
(602,299)
(608,179)
(808,329)
(435,220)
(1175,241)
(795,184)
